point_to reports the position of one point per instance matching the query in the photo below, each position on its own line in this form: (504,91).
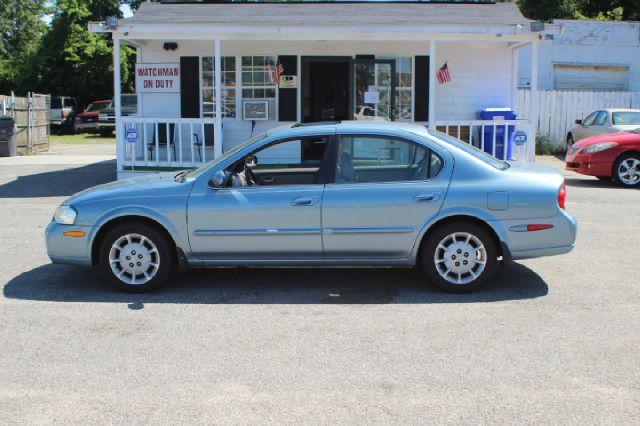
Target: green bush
(545,146)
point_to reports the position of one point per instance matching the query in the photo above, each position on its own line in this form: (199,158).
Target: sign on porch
(158,78)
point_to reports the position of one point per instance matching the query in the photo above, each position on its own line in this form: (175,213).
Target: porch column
(217,146)
(534,103)
(120,148)
(432,85)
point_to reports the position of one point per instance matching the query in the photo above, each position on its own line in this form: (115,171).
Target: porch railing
(493,136)
(165,142)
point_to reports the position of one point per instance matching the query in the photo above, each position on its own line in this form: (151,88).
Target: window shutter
(189,87)
(287,98)
(422,89)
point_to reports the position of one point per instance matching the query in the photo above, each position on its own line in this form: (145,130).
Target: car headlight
(600,147)
(65,215)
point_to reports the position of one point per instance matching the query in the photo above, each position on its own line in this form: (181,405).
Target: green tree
(75,62)
(21,27)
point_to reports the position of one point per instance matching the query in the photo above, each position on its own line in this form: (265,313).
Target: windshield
(469,149)
(194,174)
(626,118)
(97,107)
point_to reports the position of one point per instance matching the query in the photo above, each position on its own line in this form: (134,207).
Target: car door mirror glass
(218,180)
(578,121)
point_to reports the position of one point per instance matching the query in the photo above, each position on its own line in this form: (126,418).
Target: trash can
(7,136)
(496,114)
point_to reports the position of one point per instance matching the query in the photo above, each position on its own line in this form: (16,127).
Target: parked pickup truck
(62,113)
(107,118)
(87,121)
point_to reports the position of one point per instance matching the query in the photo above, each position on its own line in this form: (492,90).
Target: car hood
(161,185)
(623,137)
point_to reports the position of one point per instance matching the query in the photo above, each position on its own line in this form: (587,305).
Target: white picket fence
(559,109)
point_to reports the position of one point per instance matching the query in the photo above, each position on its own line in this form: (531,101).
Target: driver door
(277,218)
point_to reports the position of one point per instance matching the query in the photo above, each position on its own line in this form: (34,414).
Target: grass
(82,138)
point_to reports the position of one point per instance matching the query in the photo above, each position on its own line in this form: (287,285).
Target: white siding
(481,77)
(586,43)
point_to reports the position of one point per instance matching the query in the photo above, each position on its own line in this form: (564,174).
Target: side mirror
(219,180)
(578,121)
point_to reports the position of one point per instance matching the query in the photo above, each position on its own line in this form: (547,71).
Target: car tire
(105,132)
(570,141)
(459,257)
(626,170)
(148,257)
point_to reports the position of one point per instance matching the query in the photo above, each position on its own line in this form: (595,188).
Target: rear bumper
(560,239)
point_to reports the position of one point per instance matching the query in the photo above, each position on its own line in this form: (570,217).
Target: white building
(587,55)
(340,61)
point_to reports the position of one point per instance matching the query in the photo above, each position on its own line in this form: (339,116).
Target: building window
(228,87)
(259,80)
(404,89)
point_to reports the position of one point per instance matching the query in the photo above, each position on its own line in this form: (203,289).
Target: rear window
(472,150)
(626,118)
(69,103)
(56,103)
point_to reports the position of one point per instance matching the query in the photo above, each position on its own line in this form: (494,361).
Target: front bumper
(106,125)
(596,164)
(69,250)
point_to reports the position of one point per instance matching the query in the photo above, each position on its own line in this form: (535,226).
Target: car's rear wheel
(459,257)
(626,170)
(137,257)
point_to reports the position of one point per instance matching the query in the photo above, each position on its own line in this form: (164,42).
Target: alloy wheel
(460,258)
(134,259)
(629,171)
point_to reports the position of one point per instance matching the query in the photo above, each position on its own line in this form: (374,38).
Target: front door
(272,211)
(374,90)
(326,89)
(384,192)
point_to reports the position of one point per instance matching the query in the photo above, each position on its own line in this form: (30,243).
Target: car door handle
(267,179)
(426,198)
(305,201)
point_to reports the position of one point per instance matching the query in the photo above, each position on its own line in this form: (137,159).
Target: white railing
(165,142)
(493,136)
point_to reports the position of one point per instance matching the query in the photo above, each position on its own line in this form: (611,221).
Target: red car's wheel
(626,170)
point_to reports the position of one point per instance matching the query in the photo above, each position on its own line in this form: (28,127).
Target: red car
(615,155)
(87,121)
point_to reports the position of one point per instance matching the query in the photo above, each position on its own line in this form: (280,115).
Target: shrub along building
(212,75)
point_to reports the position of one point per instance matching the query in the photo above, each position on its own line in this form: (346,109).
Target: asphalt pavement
(553,340)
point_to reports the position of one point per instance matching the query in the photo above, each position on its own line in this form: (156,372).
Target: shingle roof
(329,14)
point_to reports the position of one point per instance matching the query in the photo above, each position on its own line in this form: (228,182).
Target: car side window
(601,118)
(372,158)
(287,162)
(590,118)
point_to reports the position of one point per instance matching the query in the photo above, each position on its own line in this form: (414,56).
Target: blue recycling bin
(503,152)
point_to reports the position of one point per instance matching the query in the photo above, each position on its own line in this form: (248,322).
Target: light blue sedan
(377,194)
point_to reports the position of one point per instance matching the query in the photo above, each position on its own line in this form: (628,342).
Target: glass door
(374,90)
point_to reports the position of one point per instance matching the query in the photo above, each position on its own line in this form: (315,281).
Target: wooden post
(217,145)
(120,148)
(535,107)
(432,85)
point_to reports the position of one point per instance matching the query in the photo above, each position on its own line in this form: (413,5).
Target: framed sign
(288,82)
(255,110)
(158,78)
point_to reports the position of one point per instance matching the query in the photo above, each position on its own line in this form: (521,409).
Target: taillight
(63,114)
(562,197)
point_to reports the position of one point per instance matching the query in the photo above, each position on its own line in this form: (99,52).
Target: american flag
(274,77)
(443,75)
(279,72)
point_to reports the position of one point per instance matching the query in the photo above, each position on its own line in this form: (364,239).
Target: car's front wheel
(626,170)
(459,257)
(138,257)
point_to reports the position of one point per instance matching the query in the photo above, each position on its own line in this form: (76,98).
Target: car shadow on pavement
(61,283)
(59,182)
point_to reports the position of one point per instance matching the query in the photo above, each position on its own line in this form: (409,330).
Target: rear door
(384,190)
